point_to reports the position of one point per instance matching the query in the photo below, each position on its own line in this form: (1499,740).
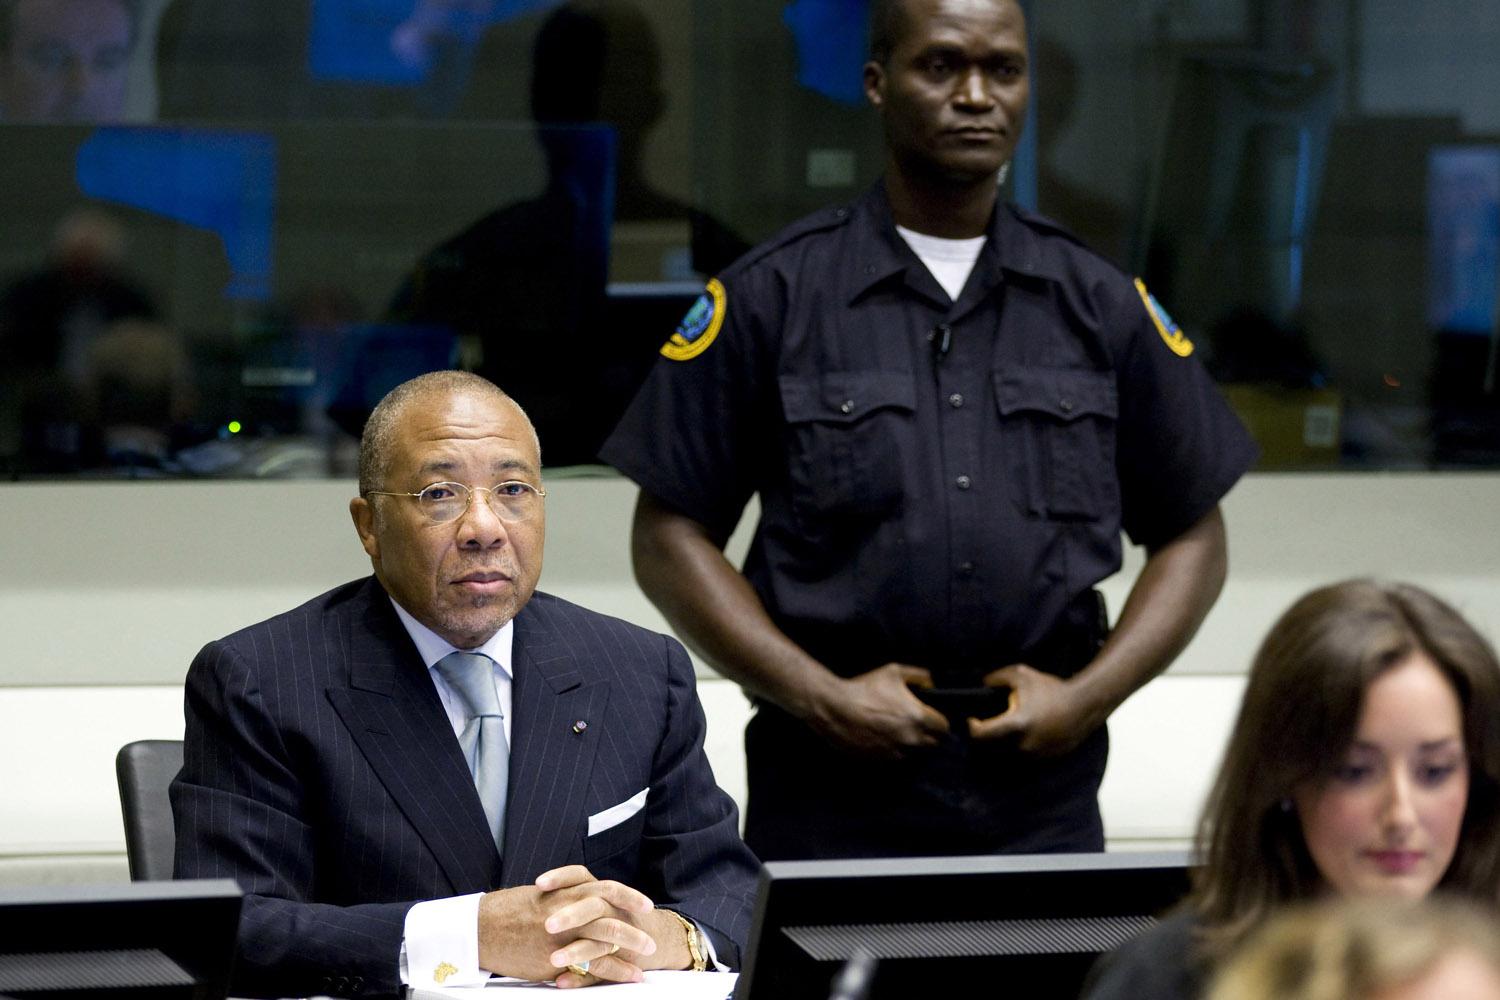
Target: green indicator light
(234,426)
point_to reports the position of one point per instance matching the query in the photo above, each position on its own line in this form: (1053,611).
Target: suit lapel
(551,756)
(395,717)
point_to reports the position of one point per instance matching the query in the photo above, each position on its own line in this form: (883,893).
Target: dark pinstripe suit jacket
(322,773)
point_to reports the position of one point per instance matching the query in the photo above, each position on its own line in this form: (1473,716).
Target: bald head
(377,443)
(889,22)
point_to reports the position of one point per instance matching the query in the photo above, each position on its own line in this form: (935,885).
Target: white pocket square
(615,815)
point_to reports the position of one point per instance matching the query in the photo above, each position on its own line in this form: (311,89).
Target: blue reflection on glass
(391,42)
(221,181)
(831,40)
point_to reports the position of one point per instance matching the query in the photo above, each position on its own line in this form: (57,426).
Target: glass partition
(227,228)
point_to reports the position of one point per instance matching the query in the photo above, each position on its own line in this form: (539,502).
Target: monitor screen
(129,940)
(1025,925)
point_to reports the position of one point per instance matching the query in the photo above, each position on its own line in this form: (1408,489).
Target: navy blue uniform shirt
(939,509)
(942,483)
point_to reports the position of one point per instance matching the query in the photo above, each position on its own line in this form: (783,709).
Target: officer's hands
(568,917)
(1044,716)
(876,715)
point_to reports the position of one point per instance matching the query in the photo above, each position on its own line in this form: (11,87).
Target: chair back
(145,768)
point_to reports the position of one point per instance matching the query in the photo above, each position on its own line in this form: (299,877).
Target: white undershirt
(950,261)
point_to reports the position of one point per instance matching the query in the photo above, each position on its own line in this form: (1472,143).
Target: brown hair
(1300,712)
(1343,949)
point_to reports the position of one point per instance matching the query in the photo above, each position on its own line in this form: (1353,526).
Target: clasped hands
(876,714)
(568,917)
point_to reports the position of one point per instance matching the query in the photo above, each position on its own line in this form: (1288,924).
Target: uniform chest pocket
(848,433)
(1058,425)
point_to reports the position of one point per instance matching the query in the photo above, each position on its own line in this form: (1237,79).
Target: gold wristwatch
(694,942)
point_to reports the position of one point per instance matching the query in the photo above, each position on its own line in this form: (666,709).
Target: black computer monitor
(125,941)
(1020,926)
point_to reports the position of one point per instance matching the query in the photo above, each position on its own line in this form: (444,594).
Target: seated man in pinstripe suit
(383,828)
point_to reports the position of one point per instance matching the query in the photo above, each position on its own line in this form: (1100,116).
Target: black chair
(145,768)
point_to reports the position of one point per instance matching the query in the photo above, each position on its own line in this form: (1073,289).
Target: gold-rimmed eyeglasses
(511,500)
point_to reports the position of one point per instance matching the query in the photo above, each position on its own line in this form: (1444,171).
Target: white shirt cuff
(440,946)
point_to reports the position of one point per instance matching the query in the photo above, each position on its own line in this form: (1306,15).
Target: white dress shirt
(445,932)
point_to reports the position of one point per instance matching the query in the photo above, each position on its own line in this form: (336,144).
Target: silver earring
(1004,173)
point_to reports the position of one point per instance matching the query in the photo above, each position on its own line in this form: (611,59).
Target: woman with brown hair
(1365,762)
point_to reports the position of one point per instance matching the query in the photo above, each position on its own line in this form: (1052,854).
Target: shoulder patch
(1171,333)
(700,326)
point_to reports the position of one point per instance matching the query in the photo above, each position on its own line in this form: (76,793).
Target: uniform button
(869,268)
(963,482)
(847,406)
(839,213)
(966,569)
(1066,404)
(956,400)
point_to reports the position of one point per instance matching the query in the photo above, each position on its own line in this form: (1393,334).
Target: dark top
(321,773)
(941,484)
(939,481)
(1157,965)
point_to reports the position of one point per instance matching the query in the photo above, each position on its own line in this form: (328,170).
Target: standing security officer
(950,409)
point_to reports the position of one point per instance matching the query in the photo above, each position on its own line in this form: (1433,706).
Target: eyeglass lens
(511,501)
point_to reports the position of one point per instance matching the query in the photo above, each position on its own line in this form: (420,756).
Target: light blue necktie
(483,736)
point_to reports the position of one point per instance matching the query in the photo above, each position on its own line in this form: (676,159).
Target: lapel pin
(580,726)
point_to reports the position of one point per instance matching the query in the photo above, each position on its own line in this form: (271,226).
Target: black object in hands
(966,703)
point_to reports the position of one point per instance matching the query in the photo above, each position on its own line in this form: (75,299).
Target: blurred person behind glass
(1365,762)
(1368,950)
(140,394)
(524,286)
(600,62)
(49,320)
(65,60)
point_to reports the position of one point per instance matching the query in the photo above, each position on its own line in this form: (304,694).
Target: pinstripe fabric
(321,772)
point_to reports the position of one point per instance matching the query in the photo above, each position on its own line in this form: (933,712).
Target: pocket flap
(843,397)
(1063,393)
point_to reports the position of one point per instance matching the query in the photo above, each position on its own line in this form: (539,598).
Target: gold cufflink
(443,971)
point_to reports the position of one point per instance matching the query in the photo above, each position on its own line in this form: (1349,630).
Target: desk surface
(659,985)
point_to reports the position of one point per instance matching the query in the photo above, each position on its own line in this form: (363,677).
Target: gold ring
(579,968)
(612,949)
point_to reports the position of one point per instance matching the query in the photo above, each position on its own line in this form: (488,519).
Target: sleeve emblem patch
(1171,333)
(700,326)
